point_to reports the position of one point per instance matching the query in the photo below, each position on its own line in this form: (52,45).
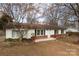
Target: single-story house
(30,30)
(72,30)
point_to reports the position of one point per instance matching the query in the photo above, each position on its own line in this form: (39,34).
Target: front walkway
(44,39)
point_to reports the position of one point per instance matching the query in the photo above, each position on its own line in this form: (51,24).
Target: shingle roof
(33,26)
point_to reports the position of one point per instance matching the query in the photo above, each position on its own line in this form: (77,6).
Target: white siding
(49,32)
(15,34)
(64,32)
(8,33)
(71,30)
(59,31)
(30,33)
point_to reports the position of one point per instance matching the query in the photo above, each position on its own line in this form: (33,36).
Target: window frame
(55,32)
(41,32)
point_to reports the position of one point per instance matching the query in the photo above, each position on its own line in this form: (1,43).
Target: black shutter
(35,32)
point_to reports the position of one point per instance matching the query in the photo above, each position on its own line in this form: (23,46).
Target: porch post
(44,32)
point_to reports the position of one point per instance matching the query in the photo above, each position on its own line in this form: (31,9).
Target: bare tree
(74,8)
(58,14)
(53,13)
(21,13)
(17,12)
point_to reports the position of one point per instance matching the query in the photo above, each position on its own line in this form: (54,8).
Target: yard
(48,48)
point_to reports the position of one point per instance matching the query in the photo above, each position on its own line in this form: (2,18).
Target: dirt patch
(49,48)
(70,39)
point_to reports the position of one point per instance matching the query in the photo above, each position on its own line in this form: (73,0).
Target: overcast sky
(39,1)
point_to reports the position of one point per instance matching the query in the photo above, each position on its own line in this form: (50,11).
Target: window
(56,32)
(62,31)
(40,32)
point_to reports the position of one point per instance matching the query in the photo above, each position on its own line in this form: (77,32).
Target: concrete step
(47,39)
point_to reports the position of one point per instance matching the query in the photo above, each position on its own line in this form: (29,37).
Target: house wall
(8,33)
(71,30)
(52,32)
(30,33)
(49,32)
(64,32)
(59,31)
(27,35)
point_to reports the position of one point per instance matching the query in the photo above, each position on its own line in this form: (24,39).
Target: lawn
(48,48)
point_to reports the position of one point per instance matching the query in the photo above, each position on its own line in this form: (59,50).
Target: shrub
(12,40)
(24,39)
(70,39)
(73,33)
(57,36)
(27,40)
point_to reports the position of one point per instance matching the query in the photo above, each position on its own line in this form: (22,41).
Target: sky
(39,1)
(43,7)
